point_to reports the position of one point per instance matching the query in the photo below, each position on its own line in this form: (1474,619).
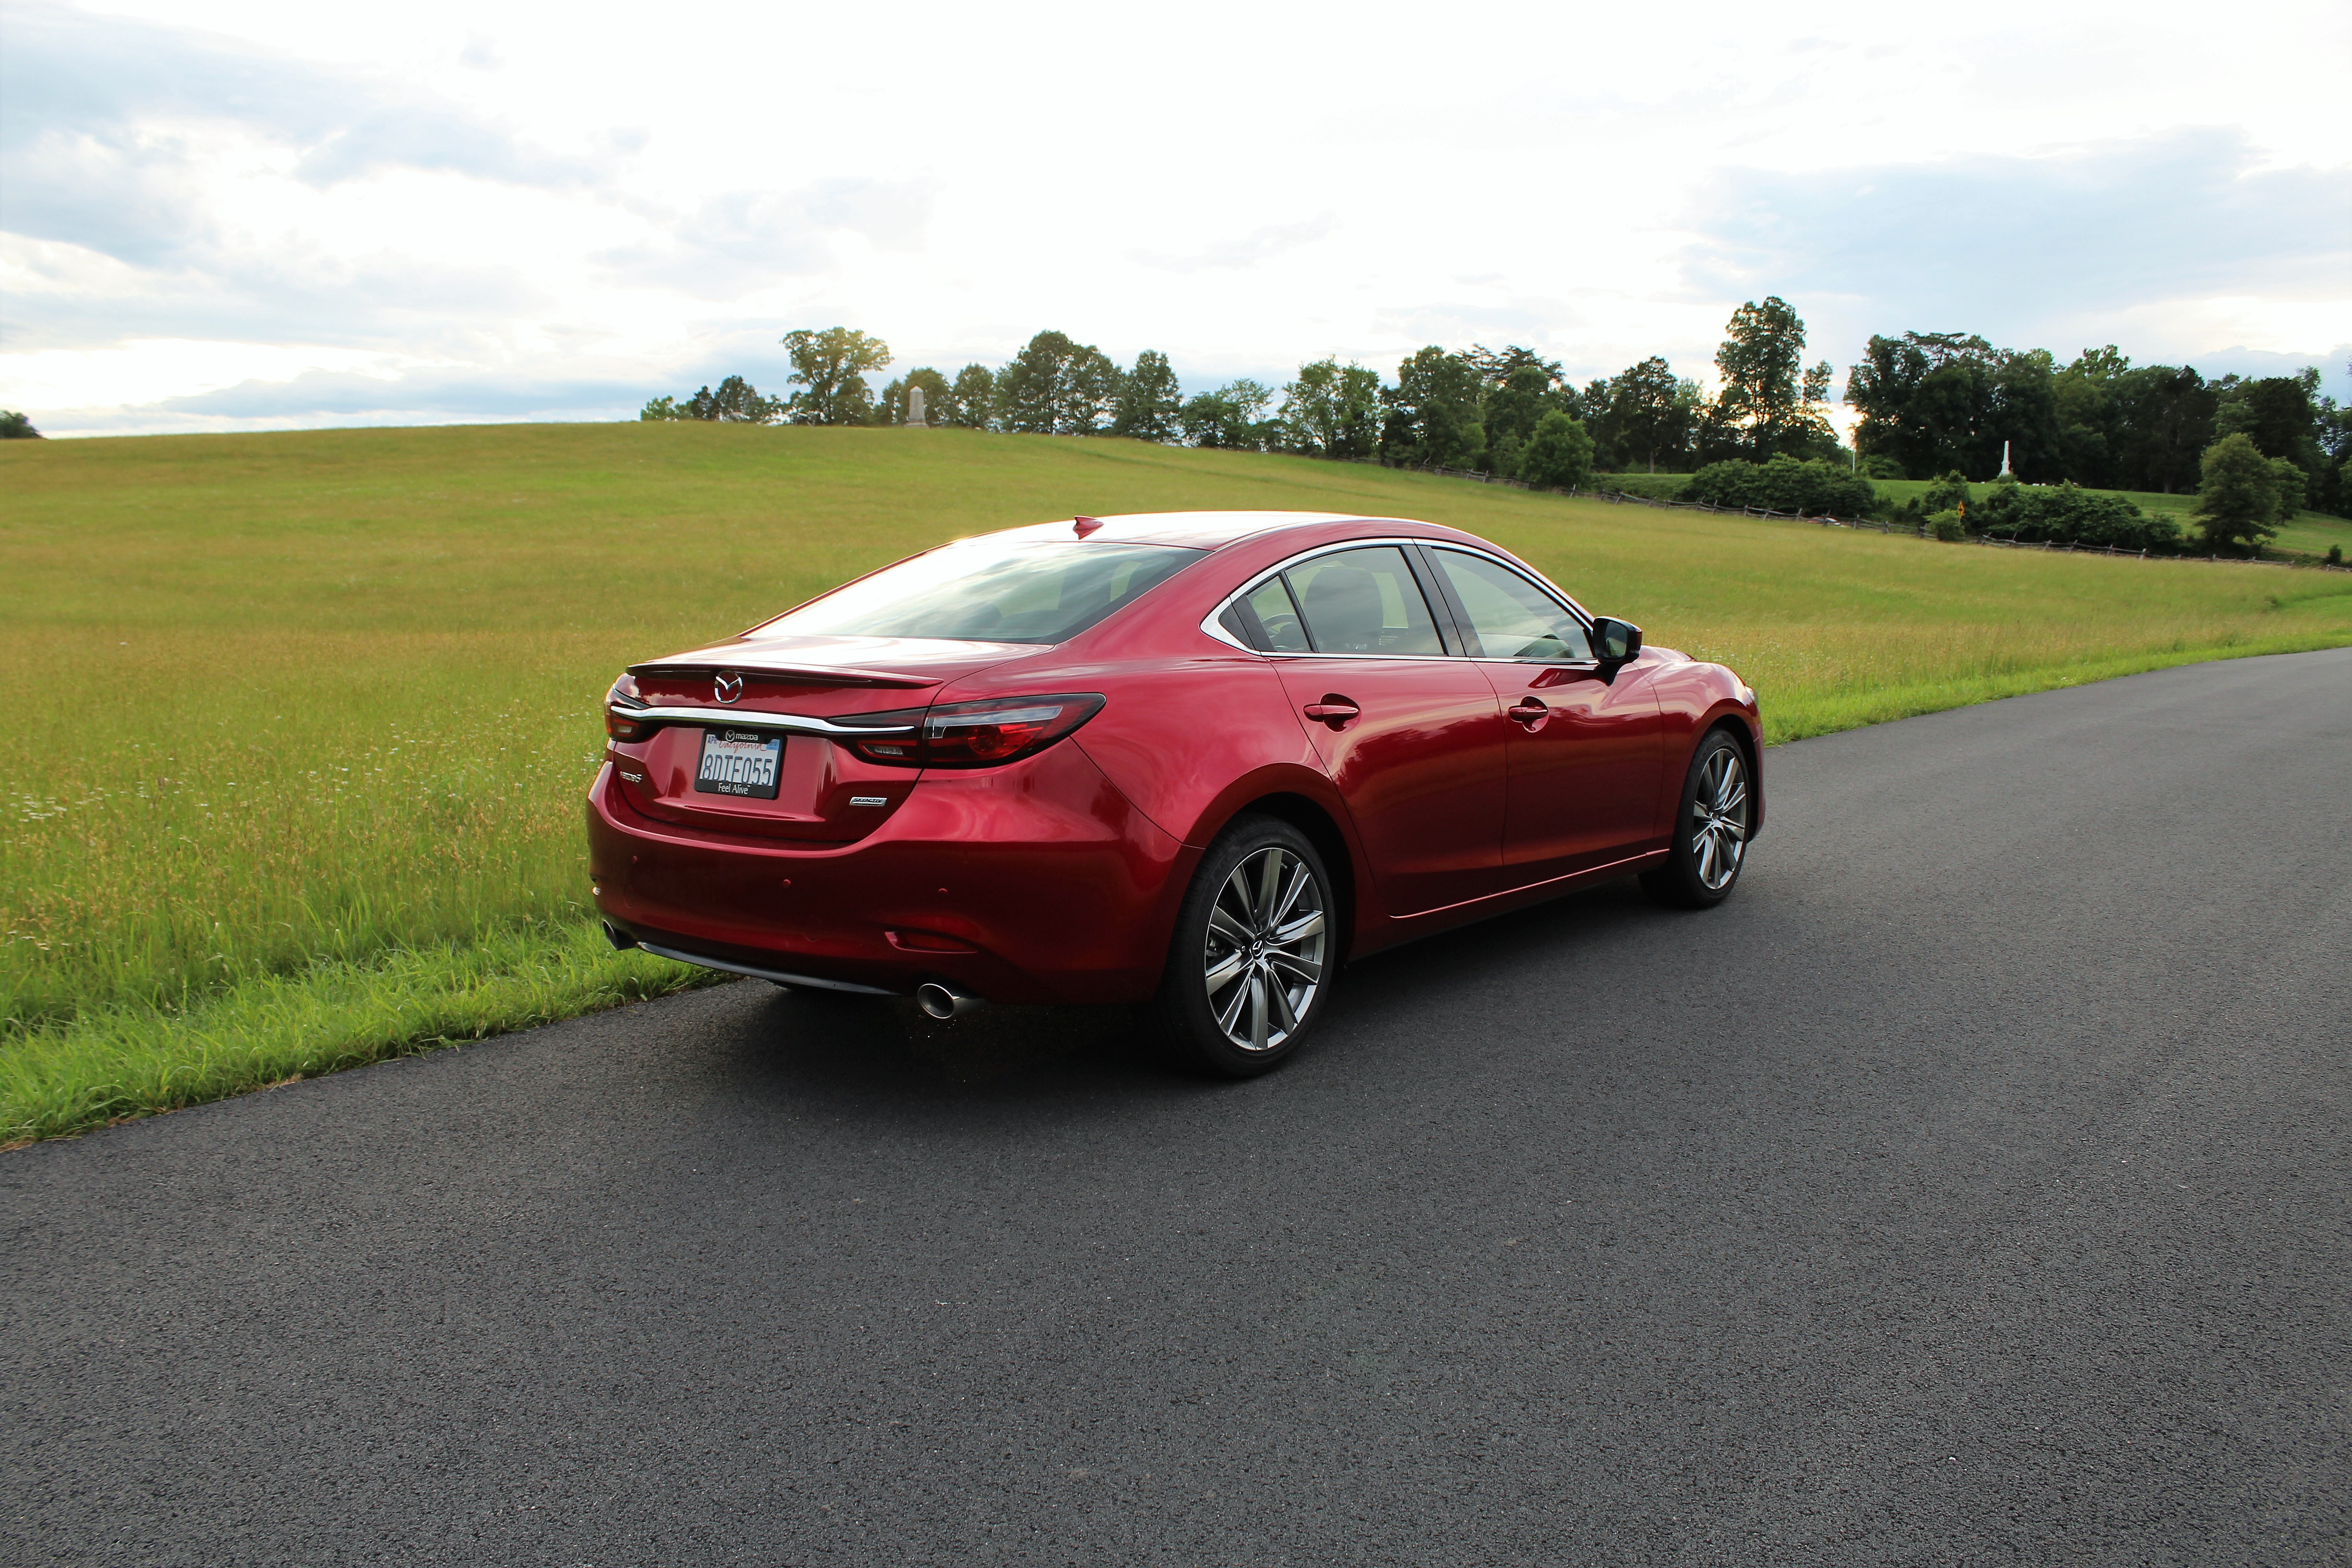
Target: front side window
(1364,600)
(1510,618)
(991,591)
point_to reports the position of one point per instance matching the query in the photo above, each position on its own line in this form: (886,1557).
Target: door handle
(1528,710)
(1334,709)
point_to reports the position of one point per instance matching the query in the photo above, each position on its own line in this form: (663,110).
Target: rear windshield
(992,591)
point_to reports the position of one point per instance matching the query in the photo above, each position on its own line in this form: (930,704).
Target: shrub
(1651,487)
(2335,555)
(1879,466)
(1559,453)
(1948,493)
(1947,526)
(16,427)
(2068,514)
(1785,484)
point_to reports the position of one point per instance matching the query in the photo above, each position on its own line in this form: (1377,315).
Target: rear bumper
(1034,882)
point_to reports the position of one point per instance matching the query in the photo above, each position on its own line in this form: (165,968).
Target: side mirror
(1614,642)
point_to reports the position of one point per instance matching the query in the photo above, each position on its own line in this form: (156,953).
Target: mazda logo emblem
(727,688)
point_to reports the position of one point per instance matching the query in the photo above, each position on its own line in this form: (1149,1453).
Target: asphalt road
(1971,1188)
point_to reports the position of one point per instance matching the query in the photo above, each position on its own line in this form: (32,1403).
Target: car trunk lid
(752,733)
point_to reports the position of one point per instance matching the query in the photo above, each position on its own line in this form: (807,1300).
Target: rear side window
(1364,600)
(1510,618)
(1278,628)
(991,591)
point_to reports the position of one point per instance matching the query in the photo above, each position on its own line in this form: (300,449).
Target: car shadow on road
(802,1046)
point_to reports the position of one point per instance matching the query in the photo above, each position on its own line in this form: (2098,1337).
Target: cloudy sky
(247,213)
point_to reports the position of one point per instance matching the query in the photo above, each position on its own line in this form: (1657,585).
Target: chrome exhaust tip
(618,938)
(945,1001)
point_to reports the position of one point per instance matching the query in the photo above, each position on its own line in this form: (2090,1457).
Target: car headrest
(1343,605)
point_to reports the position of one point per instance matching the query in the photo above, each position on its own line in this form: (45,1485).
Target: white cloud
(1261,243)
(484,210)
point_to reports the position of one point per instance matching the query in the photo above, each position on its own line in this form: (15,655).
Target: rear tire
(1711,827)
(1249,968)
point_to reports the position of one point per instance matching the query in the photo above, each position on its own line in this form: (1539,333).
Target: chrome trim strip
(779,977)
(747,719)
(1209,622)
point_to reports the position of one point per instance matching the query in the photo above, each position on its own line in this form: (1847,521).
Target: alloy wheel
(1719,819)
(1263,960)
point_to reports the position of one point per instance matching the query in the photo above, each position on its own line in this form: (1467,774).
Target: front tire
(1256,940)
(1711,829)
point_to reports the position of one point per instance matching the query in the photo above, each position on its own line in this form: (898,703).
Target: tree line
(1931,404)
(1507,412)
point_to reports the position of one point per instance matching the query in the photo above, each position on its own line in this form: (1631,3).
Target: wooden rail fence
(1860,525)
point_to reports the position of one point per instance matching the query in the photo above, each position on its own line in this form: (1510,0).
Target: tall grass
(303,719)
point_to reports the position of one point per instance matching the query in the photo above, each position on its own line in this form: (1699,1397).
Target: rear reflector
(927,942)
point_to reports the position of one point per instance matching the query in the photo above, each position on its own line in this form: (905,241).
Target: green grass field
(2308,533)
(303,718)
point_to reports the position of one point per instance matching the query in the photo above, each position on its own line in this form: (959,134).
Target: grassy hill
(303,718)
(2308,533)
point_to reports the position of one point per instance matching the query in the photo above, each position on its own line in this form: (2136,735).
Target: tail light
(617,703)
(973,734)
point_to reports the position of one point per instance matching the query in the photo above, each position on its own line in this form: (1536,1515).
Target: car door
(1586,741)
(1413,737)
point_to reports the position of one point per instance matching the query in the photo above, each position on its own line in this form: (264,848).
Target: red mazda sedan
(1198,759)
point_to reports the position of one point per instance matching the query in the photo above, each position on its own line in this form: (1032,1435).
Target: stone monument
(2004,473)
(915,410)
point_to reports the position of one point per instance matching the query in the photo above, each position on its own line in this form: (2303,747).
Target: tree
(937,396)
(1652,414)
(16,427)
(1512,411)
(2278,412)
(1150,400)
(1496,367)
(2237,496)
(2164,420)
(1762,396)
(971,399)
(1056,387)
(2024,415)
(1925,399)
(1557,454)
(2293,486)
(737,402)
(1233,418)
(1333,410)
(1596,408)
(1432,413)
(2088,398)
(2332,490)
(829,368)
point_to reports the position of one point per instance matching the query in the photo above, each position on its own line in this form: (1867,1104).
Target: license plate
(740,762)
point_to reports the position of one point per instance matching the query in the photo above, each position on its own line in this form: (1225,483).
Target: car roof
(1197,530)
